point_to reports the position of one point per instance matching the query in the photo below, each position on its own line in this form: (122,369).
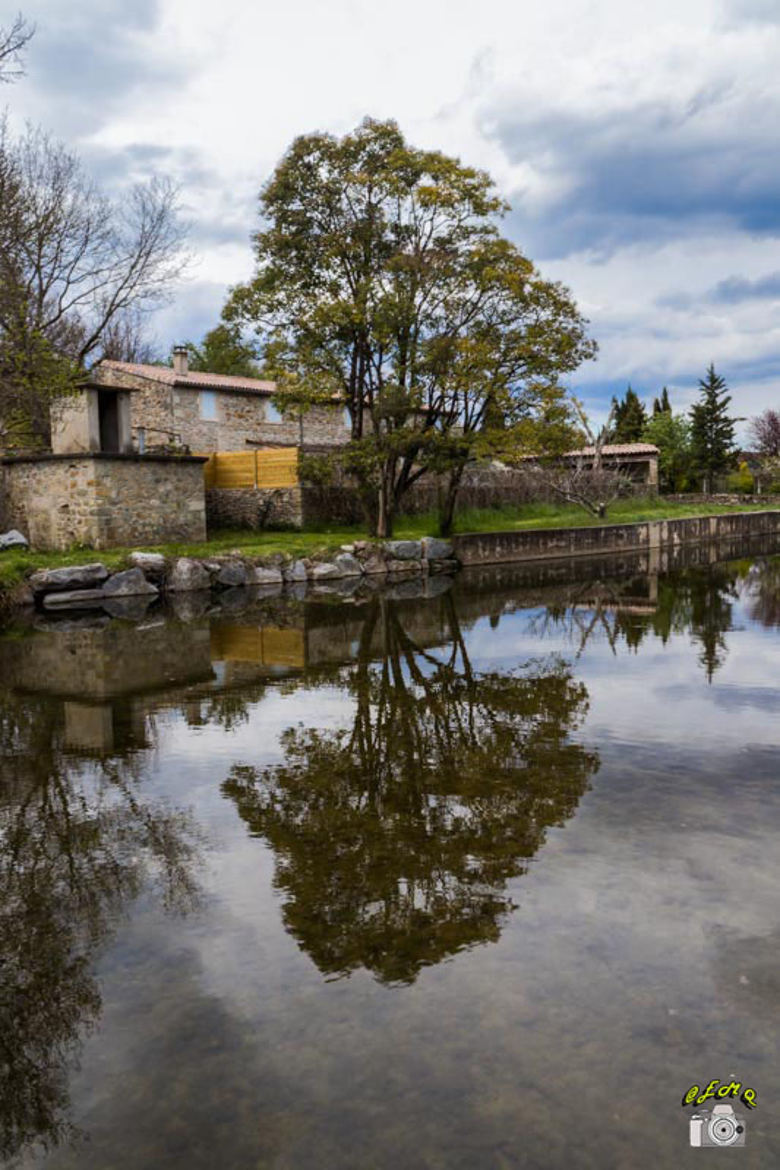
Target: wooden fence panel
(273,468)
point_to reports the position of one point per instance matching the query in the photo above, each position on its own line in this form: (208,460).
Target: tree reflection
(763,592)
(395,837)
(697,602)
(76,845)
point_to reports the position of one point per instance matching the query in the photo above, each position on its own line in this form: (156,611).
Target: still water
(485,878)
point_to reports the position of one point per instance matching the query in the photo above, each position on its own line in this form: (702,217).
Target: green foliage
(381,279)
(712,428)
(630,418)
(663,404)
(223,351)
(742,479)
(671,433)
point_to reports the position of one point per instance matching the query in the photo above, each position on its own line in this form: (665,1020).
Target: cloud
(737,288)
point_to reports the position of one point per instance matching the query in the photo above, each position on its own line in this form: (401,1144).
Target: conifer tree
(712,428)
(630,418)
(662,405)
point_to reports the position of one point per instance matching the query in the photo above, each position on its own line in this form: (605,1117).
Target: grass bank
(15,566)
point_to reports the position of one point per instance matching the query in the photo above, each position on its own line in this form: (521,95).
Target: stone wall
(254,508)
(104,501)
(487,548)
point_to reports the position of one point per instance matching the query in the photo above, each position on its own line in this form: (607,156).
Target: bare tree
(78,272)
(580,477)
(764,432)
(13,41)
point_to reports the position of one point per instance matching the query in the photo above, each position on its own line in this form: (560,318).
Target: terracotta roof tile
(619,449)
(195,379)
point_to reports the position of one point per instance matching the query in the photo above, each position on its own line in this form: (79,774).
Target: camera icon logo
(721,1127)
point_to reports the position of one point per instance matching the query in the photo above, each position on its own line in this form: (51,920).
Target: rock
(152,565)
(259,575)
(12,539)
(131,609)
(232,575)
(75,599)
(375,566)
(324,572)
(347,548)
(404,550)
(22,596)
(435,549)
(348,564)
(444,566)
(295,571)
(188,576)
(406,567)
(69,578)
(130,583)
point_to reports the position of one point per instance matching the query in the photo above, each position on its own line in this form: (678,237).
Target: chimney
(180,357)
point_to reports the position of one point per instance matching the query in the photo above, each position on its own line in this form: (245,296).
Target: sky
(636,144)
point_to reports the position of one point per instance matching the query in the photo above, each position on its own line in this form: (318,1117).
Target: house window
(347,419)
(272,413)
(208,405)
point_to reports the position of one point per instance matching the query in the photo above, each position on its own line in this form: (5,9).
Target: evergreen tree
(662,405)
(712,428)
(630,418)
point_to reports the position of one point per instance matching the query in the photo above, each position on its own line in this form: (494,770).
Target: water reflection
(395,837)
(77,845)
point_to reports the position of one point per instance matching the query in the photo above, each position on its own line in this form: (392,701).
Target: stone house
(203,412)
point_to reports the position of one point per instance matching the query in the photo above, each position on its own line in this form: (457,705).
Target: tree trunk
(384,520)
(447,502)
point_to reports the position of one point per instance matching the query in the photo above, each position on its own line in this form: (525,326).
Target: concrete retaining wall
(486,548)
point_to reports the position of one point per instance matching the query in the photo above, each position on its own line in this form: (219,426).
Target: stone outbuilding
(173,406)
(637,461)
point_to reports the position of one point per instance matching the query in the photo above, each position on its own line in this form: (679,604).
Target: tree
(72,266)
(671,434)
(712,428)
(630,418)
(223,351)
(662,405)
(13,42)
(381,278)
(395,836)
(764,432)
(580,477)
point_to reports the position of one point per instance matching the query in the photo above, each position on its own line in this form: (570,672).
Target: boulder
(188,576)
(260,575)
(131,609)
(130,583)
(408,568)
(444,566)
(324,572)
(152,565)
(74,599)
(374,565)
(404,550)
(12,539)
(68,578)
(349,565)
(435,549)
(232,575)
(296,571)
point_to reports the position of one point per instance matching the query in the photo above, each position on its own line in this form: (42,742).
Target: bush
(741,480)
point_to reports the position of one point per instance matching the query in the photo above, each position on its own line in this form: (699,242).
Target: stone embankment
(92,586)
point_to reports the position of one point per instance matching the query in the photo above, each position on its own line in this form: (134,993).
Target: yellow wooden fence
(274,467)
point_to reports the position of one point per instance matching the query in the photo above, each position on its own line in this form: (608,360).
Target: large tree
(381,277)
(630,418)
(73,266)
(671,434)
(712,428)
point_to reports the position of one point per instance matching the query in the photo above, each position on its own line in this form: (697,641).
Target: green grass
(14,566)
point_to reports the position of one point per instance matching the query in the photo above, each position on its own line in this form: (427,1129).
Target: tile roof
(619,449)
(196,379)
